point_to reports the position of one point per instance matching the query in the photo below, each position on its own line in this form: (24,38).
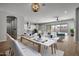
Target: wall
(41,27)
(2,26)
(77,25)
(20,26)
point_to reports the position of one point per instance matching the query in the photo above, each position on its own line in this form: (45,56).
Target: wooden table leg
(52,48)
(55,47)
(39,48)
(21,39)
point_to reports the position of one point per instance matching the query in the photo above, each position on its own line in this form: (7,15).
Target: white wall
(20,26)
(77,25)
(2,26)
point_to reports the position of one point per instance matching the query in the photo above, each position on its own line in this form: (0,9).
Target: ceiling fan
(57,18)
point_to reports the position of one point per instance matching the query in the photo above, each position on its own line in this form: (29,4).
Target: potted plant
(72,32)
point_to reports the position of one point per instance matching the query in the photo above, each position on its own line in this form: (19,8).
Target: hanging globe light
(35,7)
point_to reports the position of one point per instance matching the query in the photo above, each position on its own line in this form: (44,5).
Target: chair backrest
(20,49)
(14,46)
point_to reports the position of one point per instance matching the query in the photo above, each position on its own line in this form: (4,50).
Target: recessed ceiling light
(65,11)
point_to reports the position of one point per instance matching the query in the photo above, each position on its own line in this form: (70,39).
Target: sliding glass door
(59,28)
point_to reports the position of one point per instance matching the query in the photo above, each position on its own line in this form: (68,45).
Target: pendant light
(35,7)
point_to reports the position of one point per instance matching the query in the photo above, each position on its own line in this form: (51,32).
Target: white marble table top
(43,41)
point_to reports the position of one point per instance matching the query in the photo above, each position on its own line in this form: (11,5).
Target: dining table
(43,41)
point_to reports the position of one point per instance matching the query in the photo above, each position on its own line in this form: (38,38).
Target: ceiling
(47,13)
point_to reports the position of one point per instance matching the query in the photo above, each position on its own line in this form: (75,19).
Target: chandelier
(35,7)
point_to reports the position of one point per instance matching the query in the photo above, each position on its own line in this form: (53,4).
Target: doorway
(12,26)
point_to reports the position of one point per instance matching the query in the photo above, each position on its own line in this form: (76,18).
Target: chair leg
(39,48)
(52,48)
(21,39)
(11,52)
